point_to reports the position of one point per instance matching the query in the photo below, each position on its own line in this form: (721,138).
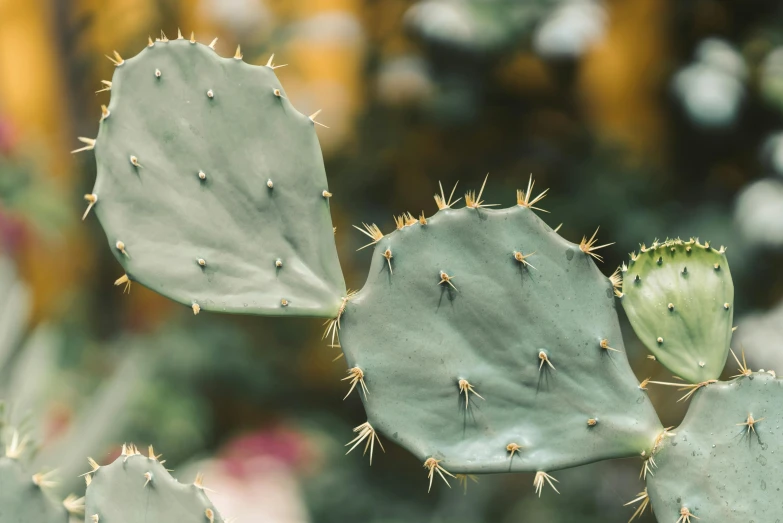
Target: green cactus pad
(716,466)
(679,298)
(414,337)
(214,185)
(24,501)
(139,489)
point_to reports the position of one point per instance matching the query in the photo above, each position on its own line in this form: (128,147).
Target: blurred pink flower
(7,137)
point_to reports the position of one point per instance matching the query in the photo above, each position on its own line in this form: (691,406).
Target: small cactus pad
(488,343)
(22,500)
(211,186)
(139,489)
(679,298)
(723,463)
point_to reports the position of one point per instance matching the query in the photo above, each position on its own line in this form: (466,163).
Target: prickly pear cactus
(679,298)
(24,501)
(211,185)
(139,489)
(723,461)
(484,342)
(23,496)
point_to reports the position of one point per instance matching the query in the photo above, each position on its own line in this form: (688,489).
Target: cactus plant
(23,498)
(33,474)
(23,495)
(211,186)
(679,298)
(138,489)
(484,340)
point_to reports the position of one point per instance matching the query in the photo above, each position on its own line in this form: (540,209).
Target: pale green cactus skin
(121,493)
(414,339)
(679,298)
(22,501)
(714,465)
(185,154)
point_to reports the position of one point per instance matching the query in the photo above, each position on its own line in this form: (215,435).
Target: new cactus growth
(477,362)
(211,186)
(138,489)
(679,298)
(722,463)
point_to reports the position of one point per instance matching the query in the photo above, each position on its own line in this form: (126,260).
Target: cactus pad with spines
(211,186)
(721,464)
(469,344)
(139,489)
(679,298)
(24,501)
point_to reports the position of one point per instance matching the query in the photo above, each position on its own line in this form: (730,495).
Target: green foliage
(139,489)
(489,342)
(679,298)
(723,462)
(211,186)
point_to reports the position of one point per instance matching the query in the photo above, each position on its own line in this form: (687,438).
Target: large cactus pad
(679,298)
(724,462)
(139,489)
(211,186)
(488,342)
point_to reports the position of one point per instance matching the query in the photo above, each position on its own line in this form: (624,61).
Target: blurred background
(650,118)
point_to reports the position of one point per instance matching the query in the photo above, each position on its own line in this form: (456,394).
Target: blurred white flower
(710,96)
(772,152)
(759,213)
(719,54)
(711,89)
(404,80)
(442,21)
(761,335)
(771,78)
(571,29)
(241,16)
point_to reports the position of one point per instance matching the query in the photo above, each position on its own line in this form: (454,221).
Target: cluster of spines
(90,144)
(672,244)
